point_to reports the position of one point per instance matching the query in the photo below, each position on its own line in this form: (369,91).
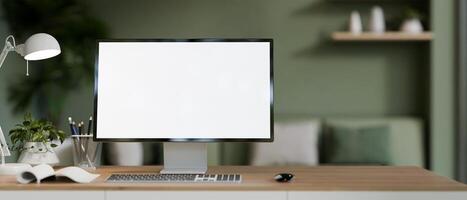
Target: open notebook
(43,171)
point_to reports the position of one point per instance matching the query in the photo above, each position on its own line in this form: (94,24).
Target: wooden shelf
(388,36)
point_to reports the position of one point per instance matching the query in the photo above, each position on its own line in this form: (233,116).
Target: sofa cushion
(367,145)
(295,143)
(405,139)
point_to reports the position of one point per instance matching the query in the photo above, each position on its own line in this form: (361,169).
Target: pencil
(75,130)
(80,128)
(70,121)
(89,126)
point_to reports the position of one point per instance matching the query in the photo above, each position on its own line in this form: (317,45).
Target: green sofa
(405,139)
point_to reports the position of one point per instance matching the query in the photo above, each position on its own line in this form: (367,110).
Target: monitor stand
(185,158)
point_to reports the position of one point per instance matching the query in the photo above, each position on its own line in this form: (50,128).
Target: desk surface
(323,178)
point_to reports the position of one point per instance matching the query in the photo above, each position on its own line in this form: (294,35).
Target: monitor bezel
(201,140)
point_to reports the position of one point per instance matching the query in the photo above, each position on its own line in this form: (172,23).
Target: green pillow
(367,145)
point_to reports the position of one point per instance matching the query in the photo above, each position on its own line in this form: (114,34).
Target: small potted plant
(412,23)
(35,139)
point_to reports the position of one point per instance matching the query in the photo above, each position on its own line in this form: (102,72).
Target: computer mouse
(284,177)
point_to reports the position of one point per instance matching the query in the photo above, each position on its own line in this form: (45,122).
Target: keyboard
(174,178)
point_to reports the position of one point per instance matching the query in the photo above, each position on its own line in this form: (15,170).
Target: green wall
(313,75)
(443,79)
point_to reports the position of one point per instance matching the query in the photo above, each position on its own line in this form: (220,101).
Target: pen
(71,125)
(75,130)
(80,128)
(76,141)
(89,126)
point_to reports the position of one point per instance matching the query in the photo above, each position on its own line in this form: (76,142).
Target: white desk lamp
(37,47)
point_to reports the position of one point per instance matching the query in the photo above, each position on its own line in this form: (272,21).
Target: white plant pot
(412,26)
(36,153)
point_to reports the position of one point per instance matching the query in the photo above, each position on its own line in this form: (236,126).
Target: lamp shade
(41,46)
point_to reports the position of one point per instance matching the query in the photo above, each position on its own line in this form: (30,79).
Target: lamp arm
(2,154)
(3,147)
(7,48)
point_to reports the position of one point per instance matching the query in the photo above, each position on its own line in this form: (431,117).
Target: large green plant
(53,79)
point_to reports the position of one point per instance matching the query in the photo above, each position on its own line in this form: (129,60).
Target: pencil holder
(85,151)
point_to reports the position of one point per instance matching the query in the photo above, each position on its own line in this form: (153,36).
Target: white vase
(412,26)
(377,22)
(36,153)
(355,23)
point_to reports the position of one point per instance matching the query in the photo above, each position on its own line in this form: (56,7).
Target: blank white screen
(180,90)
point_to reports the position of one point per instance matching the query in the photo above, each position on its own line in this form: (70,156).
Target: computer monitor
(184,93)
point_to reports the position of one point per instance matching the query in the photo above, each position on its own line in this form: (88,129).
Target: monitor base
(185,158)
(183,171)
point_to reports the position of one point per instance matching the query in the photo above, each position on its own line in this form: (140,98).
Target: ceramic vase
(377,22)
(355,23)
(36,153)
(412,26)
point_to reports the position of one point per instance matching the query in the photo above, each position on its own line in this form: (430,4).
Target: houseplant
(35,140)
(412,23)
